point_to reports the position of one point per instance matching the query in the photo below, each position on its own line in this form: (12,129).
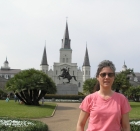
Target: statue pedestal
(67,89)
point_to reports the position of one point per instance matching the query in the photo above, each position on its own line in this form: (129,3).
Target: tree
(121,81)
(31,85)
(2,93)
(89,84)
(133,93)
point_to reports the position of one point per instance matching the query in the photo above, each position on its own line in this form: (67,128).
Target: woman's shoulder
(120,95)
(92,95)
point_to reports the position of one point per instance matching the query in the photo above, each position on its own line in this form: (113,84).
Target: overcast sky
(111,29)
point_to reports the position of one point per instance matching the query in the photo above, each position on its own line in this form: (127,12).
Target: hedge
(13,124)
(68,97)
(135,125)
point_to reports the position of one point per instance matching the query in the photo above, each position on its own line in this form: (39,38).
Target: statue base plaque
(67,89)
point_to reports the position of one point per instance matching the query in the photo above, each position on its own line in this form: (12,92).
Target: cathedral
(65,61)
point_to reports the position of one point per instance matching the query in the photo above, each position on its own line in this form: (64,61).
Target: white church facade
(65,61)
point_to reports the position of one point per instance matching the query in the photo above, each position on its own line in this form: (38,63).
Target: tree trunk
(22,95)
(20,98)
(27,97)
(35,96)
(42,94)
(31,97)
(31,94)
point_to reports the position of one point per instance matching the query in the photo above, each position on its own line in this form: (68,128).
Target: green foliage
(31,79)
(121,81)
(31,85)
(68,97)
(80,93)
(133,93)
(2,94)
(89,84)
(134,125)
(13,125)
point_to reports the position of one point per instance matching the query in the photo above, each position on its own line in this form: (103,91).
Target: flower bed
(135,125)
(8,124)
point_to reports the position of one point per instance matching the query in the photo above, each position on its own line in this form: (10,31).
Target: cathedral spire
(124,67)
(5,65)
(44,57)
(86,59)
(6,60)
(66,40)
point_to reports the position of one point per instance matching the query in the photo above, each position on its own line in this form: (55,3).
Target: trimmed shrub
(2,94)
(135,125)
(10,124)
(80,93)
(67,97)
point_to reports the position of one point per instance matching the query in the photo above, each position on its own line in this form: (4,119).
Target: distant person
(15,97)
(42,100)
(8,98)
(106,109)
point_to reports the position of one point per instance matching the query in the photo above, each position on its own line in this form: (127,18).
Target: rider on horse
(65,74)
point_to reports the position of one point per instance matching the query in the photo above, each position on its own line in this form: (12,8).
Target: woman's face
(106,77)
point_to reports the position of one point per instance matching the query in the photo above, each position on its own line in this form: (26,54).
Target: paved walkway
(65,117)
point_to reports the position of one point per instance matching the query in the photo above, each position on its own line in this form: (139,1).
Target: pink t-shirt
(105,115)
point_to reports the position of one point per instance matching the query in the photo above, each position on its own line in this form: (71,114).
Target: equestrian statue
(65,75)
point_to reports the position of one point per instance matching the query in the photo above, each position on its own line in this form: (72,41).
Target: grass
(13,109)
(135,112)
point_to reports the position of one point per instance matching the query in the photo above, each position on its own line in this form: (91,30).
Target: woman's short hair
(105,63)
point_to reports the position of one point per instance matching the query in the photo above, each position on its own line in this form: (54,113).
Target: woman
(106,109)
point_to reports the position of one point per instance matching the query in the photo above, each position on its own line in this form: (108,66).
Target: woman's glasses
(109,74)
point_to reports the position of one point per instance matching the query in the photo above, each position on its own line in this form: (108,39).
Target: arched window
(86,72)
(56,72)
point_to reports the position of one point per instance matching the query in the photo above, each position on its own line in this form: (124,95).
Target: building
(134,80)
(65,61)
(6,73)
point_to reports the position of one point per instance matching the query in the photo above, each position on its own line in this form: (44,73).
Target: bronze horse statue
(65,75)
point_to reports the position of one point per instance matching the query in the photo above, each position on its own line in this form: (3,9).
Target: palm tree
(31,85)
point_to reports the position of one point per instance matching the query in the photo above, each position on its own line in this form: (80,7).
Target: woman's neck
(105,92)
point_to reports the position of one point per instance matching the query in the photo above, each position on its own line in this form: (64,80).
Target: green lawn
(135,112)
(15,110)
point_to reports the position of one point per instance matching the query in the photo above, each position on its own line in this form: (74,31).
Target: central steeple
(66,40)
(66,51)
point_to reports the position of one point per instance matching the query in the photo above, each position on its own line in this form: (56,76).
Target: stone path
(65,117)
